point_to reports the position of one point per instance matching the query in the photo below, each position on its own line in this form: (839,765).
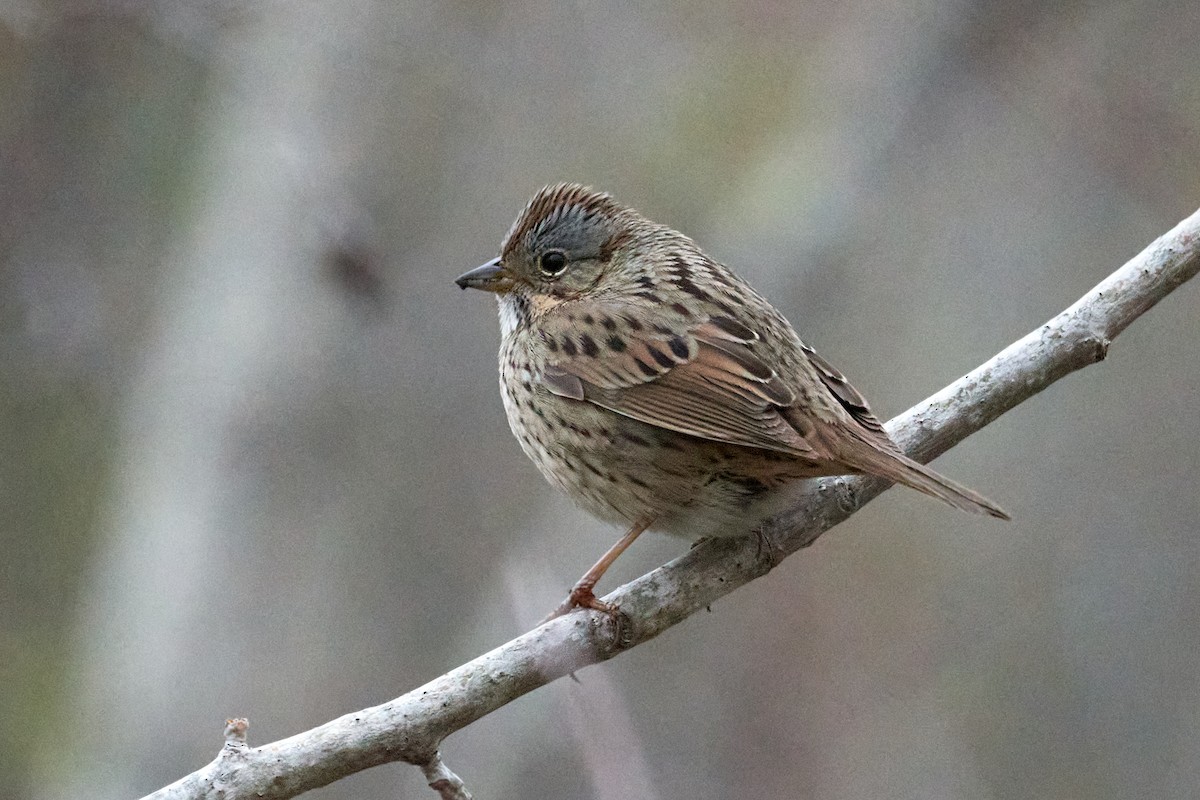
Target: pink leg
(581,595)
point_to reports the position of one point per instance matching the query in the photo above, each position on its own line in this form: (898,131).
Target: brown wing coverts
(707,382)
(849,397)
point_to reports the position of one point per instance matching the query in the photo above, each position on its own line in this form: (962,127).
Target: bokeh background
(253,459)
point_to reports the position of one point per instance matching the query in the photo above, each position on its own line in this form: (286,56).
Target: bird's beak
(491,277)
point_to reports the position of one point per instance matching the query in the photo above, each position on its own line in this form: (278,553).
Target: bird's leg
(581,594)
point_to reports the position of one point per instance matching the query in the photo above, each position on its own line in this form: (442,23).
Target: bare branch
(412,727)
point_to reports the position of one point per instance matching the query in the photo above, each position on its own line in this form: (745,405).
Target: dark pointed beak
(490,277)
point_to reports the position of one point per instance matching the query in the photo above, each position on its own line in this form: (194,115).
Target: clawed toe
(583,597)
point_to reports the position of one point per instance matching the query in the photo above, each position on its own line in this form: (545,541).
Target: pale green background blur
(253,459)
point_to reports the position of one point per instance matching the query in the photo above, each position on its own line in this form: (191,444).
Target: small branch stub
(443,781)
(235,733)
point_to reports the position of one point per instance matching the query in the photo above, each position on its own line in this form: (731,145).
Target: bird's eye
(552,263)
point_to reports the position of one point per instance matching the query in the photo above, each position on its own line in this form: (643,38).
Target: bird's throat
(514,312)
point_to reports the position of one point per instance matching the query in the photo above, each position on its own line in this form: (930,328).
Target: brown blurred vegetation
(254,461)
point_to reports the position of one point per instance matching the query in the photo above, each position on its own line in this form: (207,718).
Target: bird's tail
(895,466)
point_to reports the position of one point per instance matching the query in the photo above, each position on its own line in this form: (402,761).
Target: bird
(658,390)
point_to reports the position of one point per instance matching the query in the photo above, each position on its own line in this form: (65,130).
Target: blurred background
(253,460)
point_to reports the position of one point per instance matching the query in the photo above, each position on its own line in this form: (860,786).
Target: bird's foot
(582,596)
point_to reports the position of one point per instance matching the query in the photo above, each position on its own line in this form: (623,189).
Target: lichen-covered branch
(410,728)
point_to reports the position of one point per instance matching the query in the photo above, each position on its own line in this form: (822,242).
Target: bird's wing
(850,399)
(704,380)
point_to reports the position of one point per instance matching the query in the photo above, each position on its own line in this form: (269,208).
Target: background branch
(411,727)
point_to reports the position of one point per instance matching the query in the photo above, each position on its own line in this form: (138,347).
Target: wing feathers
(562,383)
(705,379)
(851,399)
(706,382)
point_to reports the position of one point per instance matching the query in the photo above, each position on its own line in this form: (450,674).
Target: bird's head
(569,242)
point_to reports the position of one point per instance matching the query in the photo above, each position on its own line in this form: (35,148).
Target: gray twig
(443,781)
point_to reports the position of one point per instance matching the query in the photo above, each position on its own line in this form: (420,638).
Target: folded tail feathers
(898,467)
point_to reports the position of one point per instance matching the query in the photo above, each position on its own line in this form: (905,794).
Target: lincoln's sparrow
(657,389)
